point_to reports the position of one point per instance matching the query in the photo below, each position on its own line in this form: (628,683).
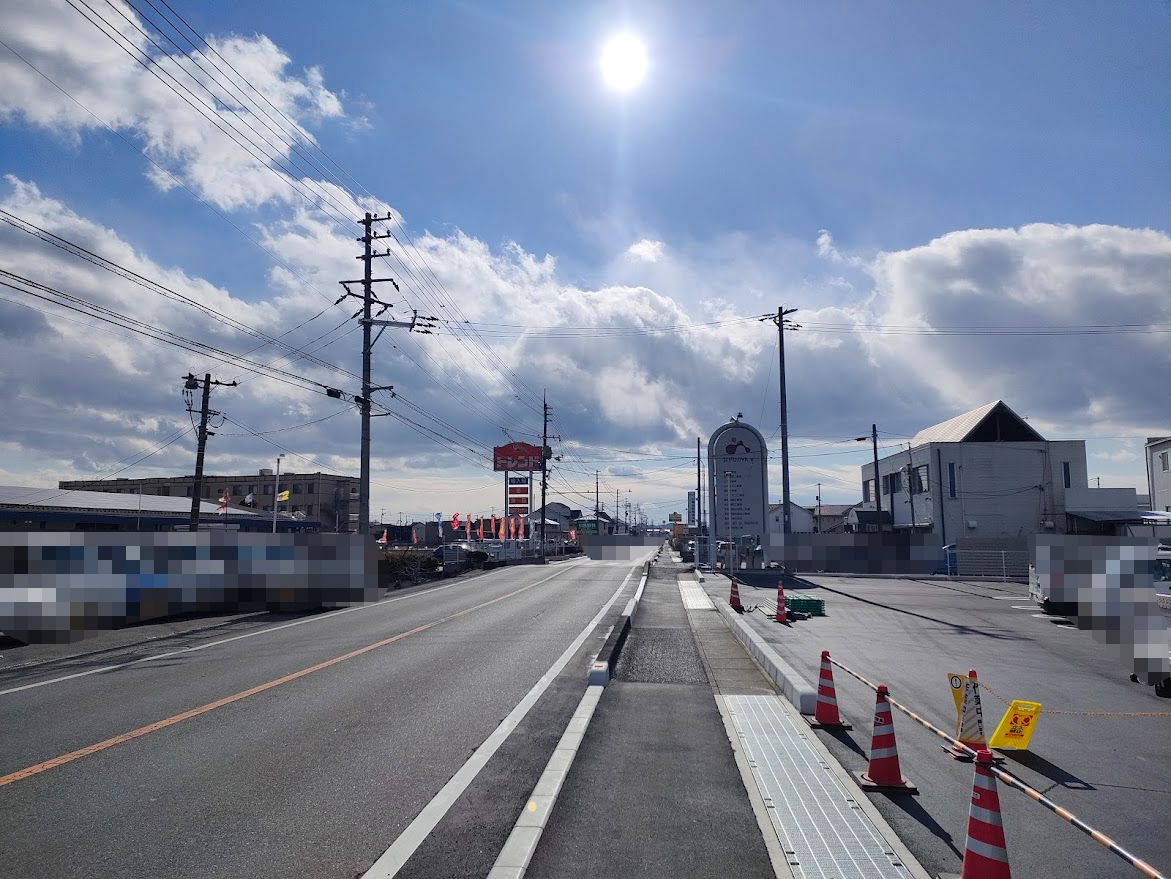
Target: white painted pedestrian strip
(694,598)
(526,834)
(266,631)
(400,851)
(824,833)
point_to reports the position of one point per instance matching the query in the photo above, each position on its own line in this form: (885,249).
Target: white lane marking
(1024,607)
(400,851)
(1009,597)
(222,641)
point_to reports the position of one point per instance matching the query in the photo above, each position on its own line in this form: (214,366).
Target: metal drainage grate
(823,831)
(694,598)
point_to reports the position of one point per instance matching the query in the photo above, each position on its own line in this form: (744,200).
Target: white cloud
(184,118)
(646,250)
(630,362)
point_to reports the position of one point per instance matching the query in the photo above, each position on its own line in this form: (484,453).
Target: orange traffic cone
(985,855)
(825,714)
(734,598)
(884,773)
(782,614)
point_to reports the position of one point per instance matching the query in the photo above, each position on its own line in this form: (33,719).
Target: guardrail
(1014,782)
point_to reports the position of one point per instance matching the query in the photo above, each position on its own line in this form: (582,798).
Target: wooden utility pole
(191,384)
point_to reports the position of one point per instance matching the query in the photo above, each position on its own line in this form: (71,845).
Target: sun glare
(624,62)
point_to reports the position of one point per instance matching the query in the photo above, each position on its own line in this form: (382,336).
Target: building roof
(992,422)
(832,509)
(108,501)
(1157,440)
(870,517)
(1135,515)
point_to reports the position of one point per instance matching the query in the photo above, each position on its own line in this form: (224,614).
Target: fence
(1014,782)
(996,564)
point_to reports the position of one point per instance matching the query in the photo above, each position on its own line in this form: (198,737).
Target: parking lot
(1102,746)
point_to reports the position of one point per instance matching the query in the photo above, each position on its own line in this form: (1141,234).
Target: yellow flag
(283,496)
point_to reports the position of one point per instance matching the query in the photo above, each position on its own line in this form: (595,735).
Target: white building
(988,475)
(1158,455)
(800,519)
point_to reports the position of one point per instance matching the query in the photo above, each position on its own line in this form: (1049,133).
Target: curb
(799,693)
(603,667)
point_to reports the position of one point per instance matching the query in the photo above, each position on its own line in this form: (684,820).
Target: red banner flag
(455,521)
(480,529)
(468,528)
(414,535)
(502,529)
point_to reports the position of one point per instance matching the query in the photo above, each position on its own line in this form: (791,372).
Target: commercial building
(50,509)
(987,475)
(320,497)
(1158,456)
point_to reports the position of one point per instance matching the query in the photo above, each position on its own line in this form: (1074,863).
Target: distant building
(858,521)
(988,475)
(322,497)
(54,509)
(1158,455)
(830,518)
(800,519)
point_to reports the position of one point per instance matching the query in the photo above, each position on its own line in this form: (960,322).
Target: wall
(1159,479)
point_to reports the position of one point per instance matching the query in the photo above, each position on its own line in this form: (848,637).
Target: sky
(963,205)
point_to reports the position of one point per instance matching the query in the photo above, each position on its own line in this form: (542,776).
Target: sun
(624,62)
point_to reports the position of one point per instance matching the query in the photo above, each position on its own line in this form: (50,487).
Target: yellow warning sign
(957,682)
(1017,725)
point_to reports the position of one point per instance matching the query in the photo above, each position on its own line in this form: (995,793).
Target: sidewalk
(655,790)
(694,766)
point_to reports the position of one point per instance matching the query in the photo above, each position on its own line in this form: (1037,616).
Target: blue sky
(839,157)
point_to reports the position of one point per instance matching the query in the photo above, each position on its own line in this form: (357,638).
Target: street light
(276,492)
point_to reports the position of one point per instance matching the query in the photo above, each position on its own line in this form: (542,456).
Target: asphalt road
(1114,772)
(304,748)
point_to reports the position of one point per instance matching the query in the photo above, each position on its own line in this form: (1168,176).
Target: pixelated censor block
(618,547)
(903,555)
(1107,584)
(59,587)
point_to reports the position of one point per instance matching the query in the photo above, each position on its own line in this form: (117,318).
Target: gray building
(988,475)
(321,497)
(1158,455)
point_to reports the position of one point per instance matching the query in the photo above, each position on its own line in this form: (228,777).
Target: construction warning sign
(1017,725)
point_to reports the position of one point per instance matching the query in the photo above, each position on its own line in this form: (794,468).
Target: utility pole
(911,485)
(877,481)
(545,452)
(782,321)
(615,511)
(192,383)
(698,504)
(368,321)
(819,508)
(597,502)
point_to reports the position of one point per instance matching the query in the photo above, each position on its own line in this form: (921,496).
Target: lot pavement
(1112,770)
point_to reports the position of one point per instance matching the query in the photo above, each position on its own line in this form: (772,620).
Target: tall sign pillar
(738,491)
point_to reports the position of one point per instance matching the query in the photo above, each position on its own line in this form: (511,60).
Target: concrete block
(795,688)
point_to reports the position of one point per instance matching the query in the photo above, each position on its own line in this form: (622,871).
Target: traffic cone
(970,727)
(825,714)
(782,615)
(734,598)
(884,773)
(985,855)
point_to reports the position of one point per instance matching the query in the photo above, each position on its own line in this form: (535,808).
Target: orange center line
(46,765)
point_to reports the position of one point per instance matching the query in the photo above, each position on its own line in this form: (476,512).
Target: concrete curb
(799,693)
(603,667)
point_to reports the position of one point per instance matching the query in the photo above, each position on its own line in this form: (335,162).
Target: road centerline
(105,744)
